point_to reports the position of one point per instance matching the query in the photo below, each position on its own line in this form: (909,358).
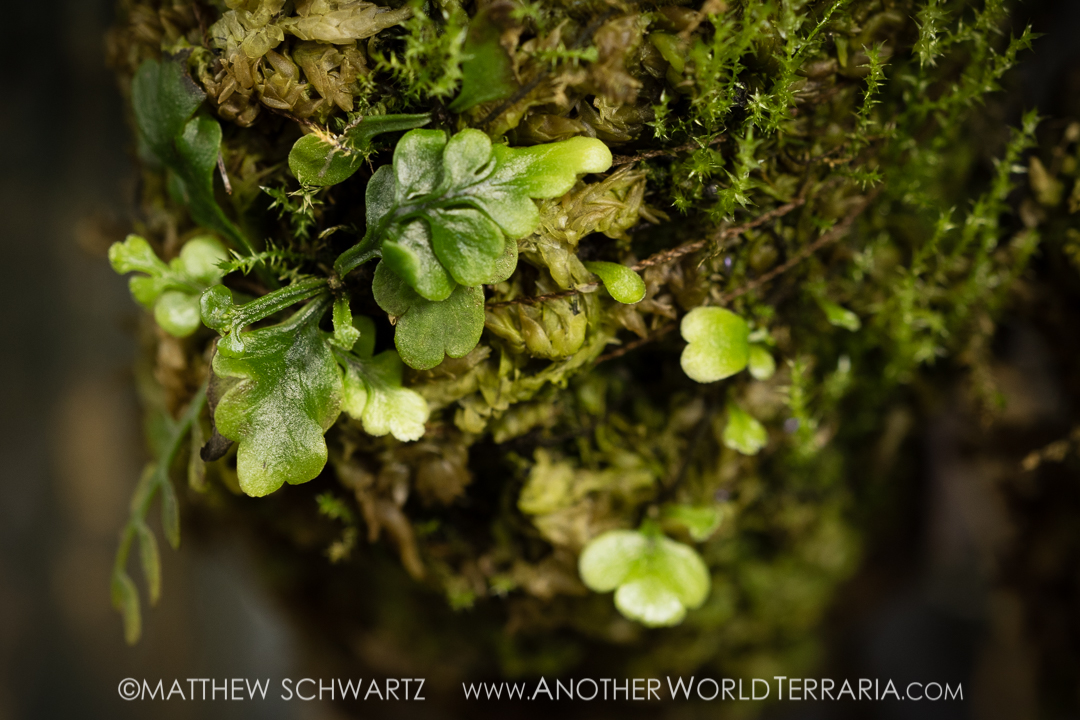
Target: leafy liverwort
(700,521)
(154,480)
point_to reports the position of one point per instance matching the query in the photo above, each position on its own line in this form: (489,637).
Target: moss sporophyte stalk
(432,256)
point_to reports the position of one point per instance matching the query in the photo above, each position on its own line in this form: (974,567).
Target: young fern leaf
(427,330)
(220,313)
(443,213)
(373,393)
(155,478)
(718,344)
(171,291)
(699,521)
(445,217)
(322,159)
(345,333)
(761,363)
(656,580)
(165,99)
(286,394)
(487,72)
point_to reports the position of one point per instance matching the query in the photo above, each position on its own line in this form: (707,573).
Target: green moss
(819,159)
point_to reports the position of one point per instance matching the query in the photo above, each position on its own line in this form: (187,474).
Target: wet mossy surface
(819,169)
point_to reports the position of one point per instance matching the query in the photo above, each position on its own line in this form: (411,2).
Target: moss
(807,165)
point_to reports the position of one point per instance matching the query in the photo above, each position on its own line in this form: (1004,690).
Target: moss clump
(805,165)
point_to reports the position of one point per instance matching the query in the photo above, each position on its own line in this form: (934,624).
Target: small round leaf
(840,316)
(656,580)
(199,260)
(177,313)
(608,559)
(621,282)
(718,346)
(743,432)
(761,362)
(650,602)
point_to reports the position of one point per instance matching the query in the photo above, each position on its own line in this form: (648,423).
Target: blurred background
(71,437)
(973,568)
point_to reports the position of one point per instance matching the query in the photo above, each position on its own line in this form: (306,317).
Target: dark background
(943,593)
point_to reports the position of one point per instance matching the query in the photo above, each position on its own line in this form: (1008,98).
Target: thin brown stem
(224,173)
(627,159)
(720,237)
(635,344)
(829,236)
(537,299)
